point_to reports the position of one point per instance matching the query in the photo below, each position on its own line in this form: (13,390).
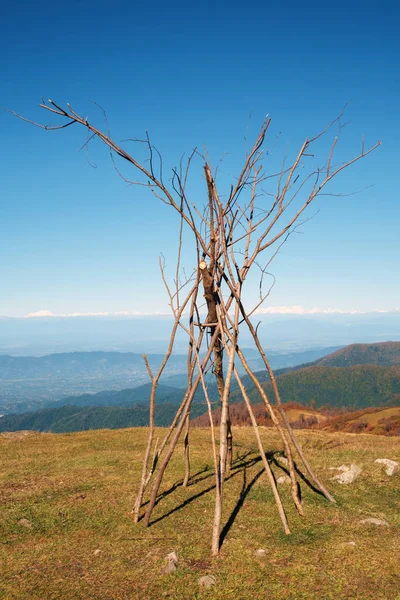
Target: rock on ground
(283,479)
(374,521)
(25,523)
(171,563)
(391,465)
(169,568)
(349,544)
(348,474)
(207,581)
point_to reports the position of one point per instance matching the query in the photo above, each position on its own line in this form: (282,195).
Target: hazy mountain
(80,363)
(27,382)
(46,335)
(356,385)
(30,383)
(139,395)
(74,418)
(90,412)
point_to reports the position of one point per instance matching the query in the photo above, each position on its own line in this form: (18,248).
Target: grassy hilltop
(76,492)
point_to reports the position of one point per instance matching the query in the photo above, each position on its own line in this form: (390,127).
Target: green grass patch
(77,490)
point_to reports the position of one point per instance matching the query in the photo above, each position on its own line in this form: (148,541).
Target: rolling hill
(69,418)
(138,395)
(358,384)
(384,354)
(377,421)
(30,383)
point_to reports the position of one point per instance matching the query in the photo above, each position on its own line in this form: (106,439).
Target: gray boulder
(391,466)
(348,474)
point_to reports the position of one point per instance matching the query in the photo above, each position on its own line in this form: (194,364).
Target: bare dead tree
(233,235)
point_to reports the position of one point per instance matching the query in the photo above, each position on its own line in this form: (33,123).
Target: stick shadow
(238,463)
(237,467)
(246,487)
(272,459)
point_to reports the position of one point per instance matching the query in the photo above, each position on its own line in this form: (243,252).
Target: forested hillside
(384,354)
(325,382)
(359,386)
(72,418)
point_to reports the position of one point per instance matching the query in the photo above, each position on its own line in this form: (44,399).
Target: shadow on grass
(272,459)
(238,463)
(246,487)
(194,479)
(238,466)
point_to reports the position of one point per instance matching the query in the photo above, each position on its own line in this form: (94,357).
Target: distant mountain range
(140,395)
(357,385)
(150,333)
(72,418)
(32,382)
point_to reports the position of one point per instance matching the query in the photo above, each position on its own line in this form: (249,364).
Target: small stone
(374,521)
(348,474)
(172,557)
(170,568)
(282,459)
(25,523)
(207,581)
(97,552)
(391,465)
(283,480)
(171,561)
(260,553)
(351,544)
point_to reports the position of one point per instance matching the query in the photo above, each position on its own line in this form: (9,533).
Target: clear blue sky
(76,239)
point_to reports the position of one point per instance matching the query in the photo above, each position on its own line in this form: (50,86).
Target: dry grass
(77,491)
(294,414)
(374,417)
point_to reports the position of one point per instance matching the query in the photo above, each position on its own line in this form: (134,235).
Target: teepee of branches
(232,235)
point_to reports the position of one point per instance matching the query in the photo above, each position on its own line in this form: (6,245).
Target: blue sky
(74,239)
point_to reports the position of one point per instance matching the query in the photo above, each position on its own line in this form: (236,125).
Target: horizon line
(271,310)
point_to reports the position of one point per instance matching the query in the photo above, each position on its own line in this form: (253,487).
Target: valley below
(337,391)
